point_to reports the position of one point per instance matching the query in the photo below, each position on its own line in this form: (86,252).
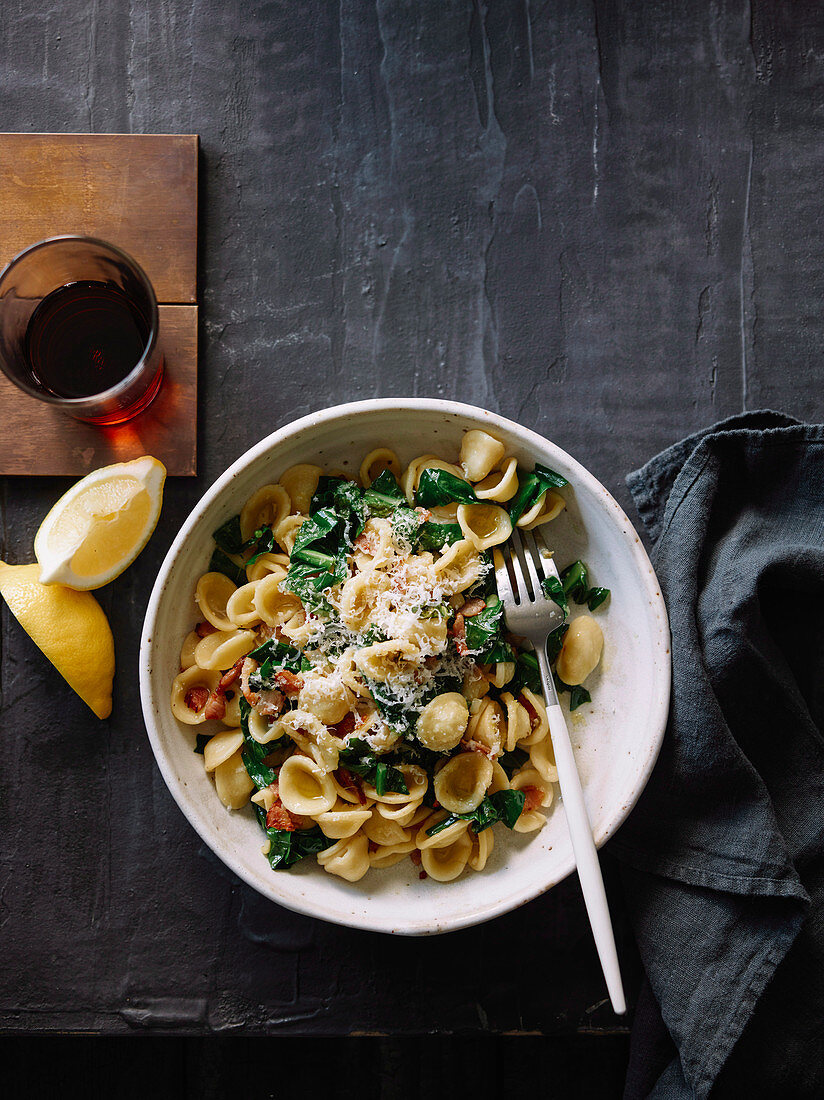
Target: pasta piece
(499,781)
(387,855)
(412,474)
(402,815)
(461,783)
(542,759)
(442,722)
(548,506)
(301,483)
(265,508)
(326,697)
(581,651)
(262,729)
(233,783)
(224,648)
(190,694)
(375,548)
(485,525)
(458,568)
(265,564)
(502,673)
(287,531)
(305,788)
(486,725)
(348,859)
(342,821)
(480,453)
(445,837)
(517,721)
(482,844)
(429,633)
(240,607)
(358,596)
(501,485)
(231,716)
(274,606)
(475,684)
(187,650)
(212,595)
(530,781)
(221,747)
(538,720)
(416,782)
(383,660)
(298,628)
(376,462)
(264,798)
(382,831)
(446,862)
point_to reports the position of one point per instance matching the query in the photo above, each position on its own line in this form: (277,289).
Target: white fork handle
(586,855)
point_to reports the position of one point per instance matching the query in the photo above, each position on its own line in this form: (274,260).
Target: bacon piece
(270,702)
(473,607)
(479,746)
(345,726)
(534,720)
(278,817)
(458,633)
(197,697)
(415,857)
(422,875)
(372,846)
(215,706)
(247,668)
(423,514)
(533,797)
(288,682)
(365,543)
(351,782)
(204,628)
(230,677)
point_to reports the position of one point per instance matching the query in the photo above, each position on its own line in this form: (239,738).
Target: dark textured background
(600,219)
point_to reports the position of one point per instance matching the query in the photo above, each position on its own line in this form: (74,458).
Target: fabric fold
(716,850)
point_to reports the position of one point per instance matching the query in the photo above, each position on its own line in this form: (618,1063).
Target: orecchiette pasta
(581,650)
(300,482)
(362,691)
(480,453)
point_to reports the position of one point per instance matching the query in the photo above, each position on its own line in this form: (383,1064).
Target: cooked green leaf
(578,695)
(512,761)
(505,806)
(596,596)
(434,536)
(532,488)
(555,641)
(287,848)
(253,754)
(554,590)
(220,563)
(437,487)
(228,536)
(200,742)
(359,757)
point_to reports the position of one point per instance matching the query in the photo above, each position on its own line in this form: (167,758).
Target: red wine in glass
(84,338)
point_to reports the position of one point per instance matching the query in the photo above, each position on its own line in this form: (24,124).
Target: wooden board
(138,191)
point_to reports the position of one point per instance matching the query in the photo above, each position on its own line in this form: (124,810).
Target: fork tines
(520,566)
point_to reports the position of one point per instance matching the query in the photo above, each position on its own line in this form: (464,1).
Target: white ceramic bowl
(616,739)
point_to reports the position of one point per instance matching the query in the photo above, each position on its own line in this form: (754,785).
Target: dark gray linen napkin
(722,854)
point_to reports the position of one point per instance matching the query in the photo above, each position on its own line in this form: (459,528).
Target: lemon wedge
(70,627)
(101,524)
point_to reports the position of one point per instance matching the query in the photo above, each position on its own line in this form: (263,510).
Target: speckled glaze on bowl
(616,739)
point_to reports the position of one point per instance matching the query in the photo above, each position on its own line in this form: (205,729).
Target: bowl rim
(659,630)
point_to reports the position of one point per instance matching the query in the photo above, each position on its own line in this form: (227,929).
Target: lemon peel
(97,528)
(70,628)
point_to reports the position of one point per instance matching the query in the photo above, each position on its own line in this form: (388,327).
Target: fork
(531,613)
